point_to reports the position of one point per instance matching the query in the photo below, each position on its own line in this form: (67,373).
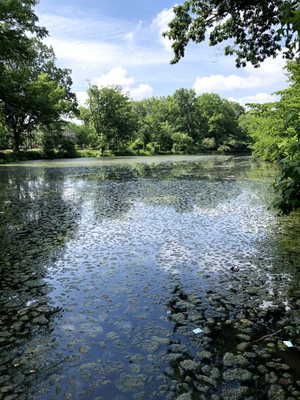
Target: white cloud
(270,67)
(161,23)
(260,98)
(216,83)
(270,73)
(116,76)
(84,51)
(130,36)
(141,92)
(84,26)
(119,76)
(82,98)
(85,56)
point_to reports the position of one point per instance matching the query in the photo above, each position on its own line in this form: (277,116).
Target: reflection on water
(107,266)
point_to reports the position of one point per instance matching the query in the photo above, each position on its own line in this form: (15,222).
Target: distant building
(69,134)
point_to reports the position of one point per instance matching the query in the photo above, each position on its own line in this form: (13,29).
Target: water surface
(107,267)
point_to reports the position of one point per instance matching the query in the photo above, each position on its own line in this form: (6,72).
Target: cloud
(119,76)
(116,76)
(216,83)
(82,98)
(87,45)
(260,98)
(161,22)
(130,36)
(84,26)
(141,92)
(270,67)
(270,73)
(86,55)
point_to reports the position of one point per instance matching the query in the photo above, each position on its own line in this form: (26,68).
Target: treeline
(182,123)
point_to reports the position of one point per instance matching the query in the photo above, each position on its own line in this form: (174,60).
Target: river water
(108,266)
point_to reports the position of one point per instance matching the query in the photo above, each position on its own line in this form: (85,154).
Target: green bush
(152,148)
(67,148)
(89,153)
(108,153)
(287,187)
(137,144)
(208,144)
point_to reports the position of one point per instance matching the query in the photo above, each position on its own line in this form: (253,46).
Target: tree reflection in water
(36,221)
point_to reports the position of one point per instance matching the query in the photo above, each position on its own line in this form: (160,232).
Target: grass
(7,156)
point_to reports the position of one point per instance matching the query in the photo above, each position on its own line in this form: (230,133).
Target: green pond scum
(107,266)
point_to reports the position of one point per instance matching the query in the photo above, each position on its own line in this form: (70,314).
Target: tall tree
(113,116)
(156,123)
(187,116)
(256,29)
(35,93)
(220,119)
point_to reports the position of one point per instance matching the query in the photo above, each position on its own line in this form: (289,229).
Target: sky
(107,42)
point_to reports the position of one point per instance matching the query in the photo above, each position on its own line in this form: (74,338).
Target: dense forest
(37,105)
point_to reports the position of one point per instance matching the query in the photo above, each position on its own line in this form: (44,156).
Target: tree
(17,20)
(39,93)
(186,113)
(33,91)
(266,128)
(275,128)
(113,116)
(257,28)
(220,120)
(182,143)
(155,123)
(85,133)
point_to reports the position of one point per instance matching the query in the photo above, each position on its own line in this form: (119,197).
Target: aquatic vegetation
(107,268)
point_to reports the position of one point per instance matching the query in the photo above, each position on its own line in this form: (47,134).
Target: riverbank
(8,156)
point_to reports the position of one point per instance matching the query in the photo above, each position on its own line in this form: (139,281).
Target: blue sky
(120,42)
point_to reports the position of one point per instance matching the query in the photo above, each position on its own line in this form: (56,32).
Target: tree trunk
(16,140)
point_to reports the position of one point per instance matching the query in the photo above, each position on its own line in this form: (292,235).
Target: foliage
(182,143)
(7,156)
(266,127)
(220,122)
(18,28)
(153,148)
(67,148)
(88,153)
(253,30)
(4,135)
(275,128)
(33,91)
(186,114)
(112,116)
(287,186)
(55,144)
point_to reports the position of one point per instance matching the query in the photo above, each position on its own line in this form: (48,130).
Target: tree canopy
(275,128)
(18,27)
(251,29)
(112,115)
(34,92)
